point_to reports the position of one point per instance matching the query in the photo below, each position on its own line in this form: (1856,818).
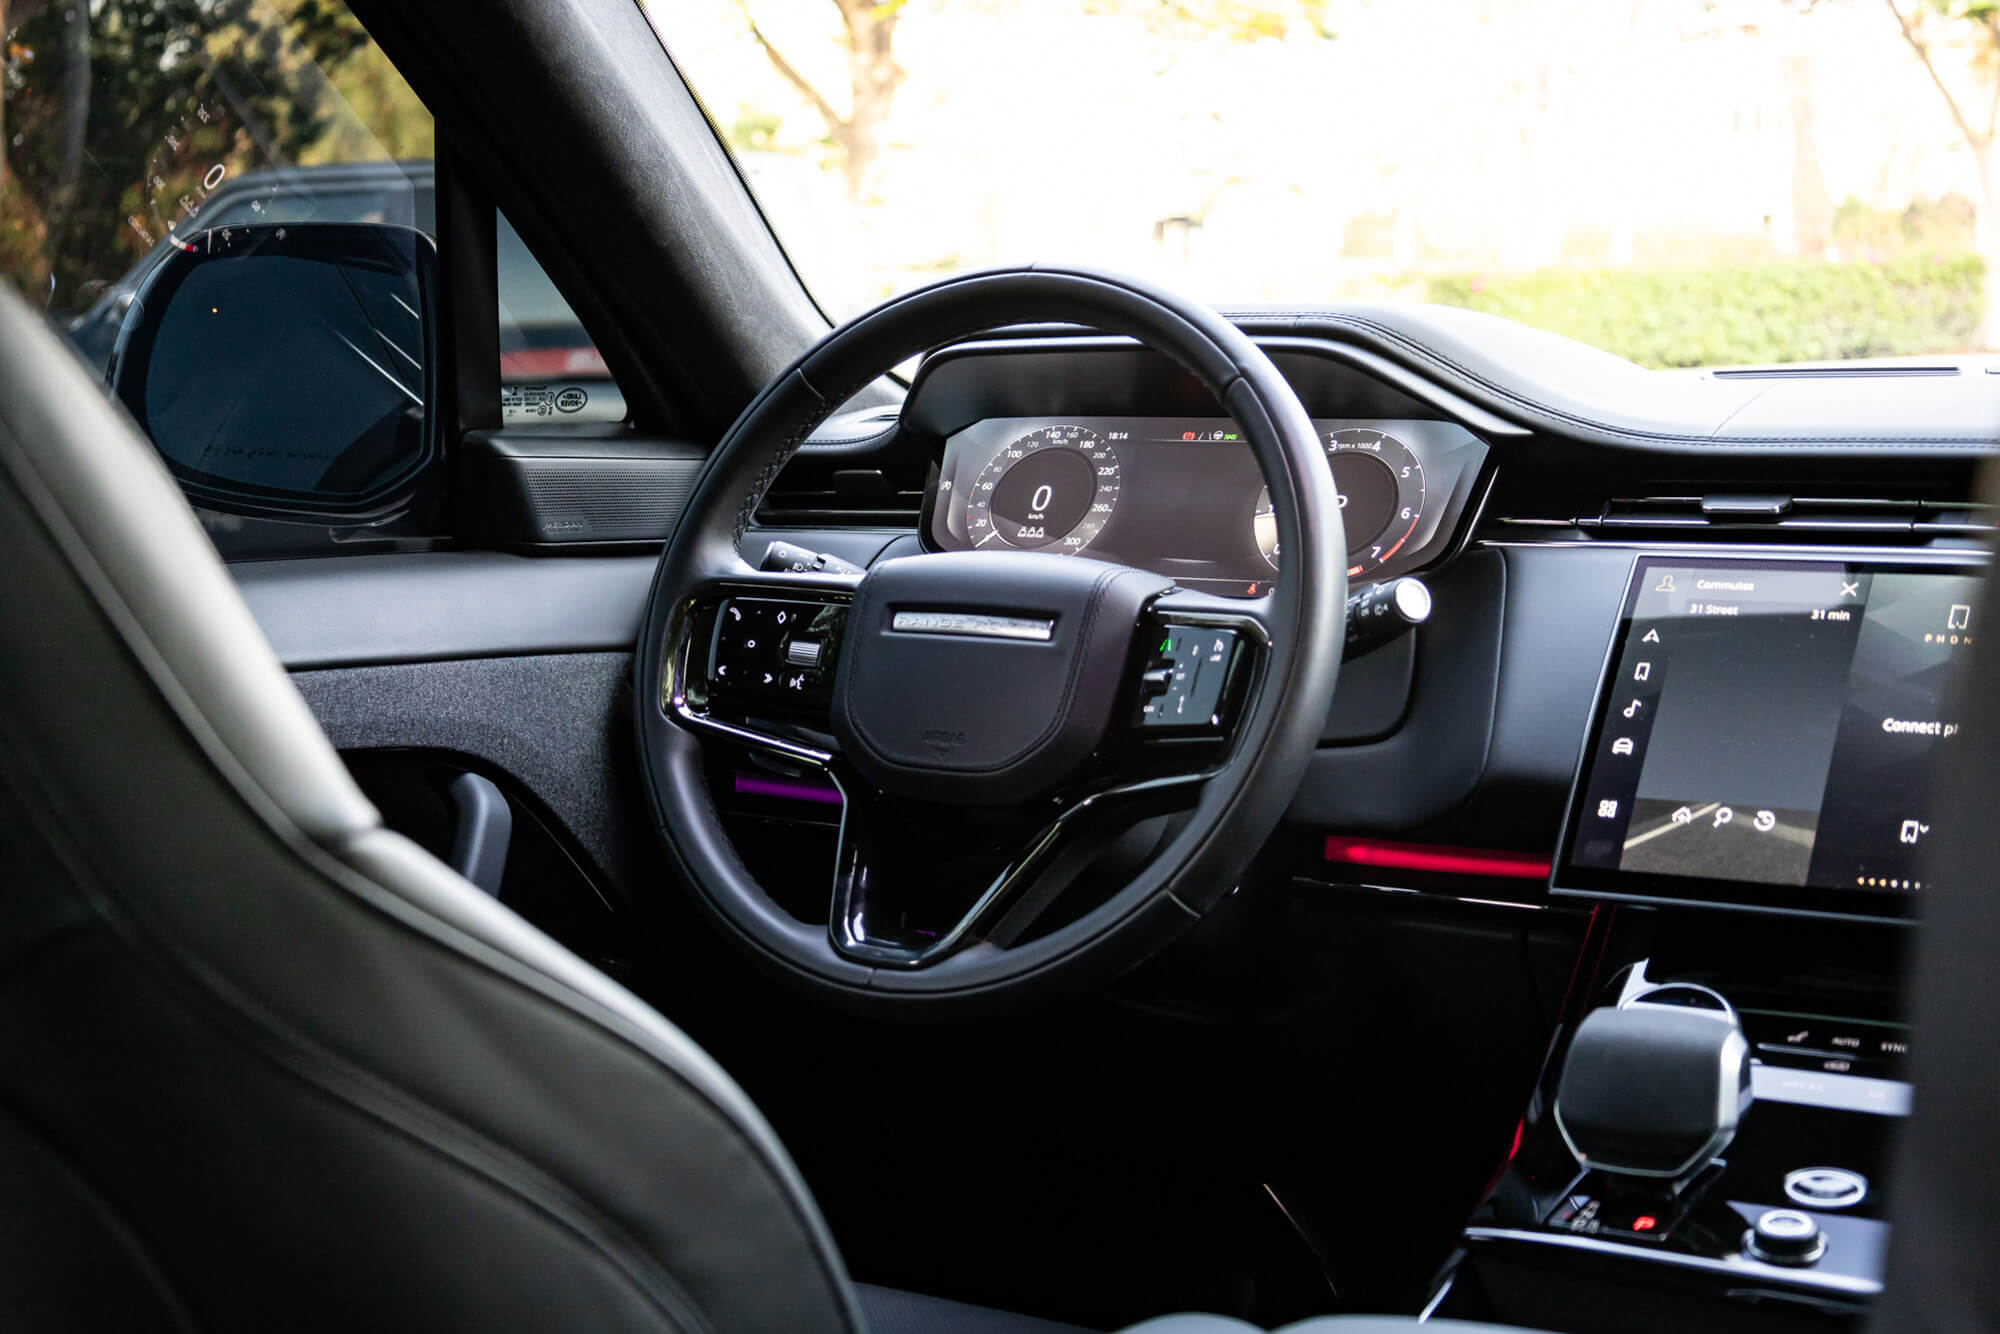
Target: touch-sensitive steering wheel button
(1185,690)
(1214,650)
(773,650)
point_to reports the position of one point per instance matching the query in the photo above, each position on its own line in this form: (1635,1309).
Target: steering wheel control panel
(775,653)
(779,656)
(1183,683)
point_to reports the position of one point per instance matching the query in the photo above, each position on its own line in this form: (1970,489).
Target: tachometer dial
(1381,487)
(1052,489)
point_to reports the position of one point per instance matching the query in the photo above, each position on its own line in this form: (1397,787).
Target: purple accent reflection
(786,789)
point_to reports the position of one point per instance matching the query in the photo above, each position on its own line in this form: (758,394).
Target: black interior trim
(1564,387)
(469,339)
(351,611)
(550,491)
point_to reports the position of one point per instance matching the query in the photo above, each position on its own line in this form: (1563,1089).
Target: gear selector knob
(1653,1090)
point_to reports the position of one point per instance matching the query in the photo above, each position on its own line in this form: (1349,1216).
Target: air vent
(833,493)
(1745,516)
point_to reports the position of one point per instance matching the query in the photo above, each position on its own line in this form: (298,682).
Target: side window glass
(133,132)
(171,177)
(550,371)
(125,124)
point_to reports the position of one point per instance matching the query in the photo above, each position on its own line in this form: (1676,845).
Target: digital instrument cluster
(1184,496)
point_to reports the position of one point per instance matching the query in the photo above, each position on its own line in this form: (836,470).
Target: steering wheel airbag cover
(953,712)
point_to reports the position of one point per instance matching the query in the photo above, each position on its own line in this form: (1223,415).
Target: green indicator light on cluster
(1167,645)
(1231,435)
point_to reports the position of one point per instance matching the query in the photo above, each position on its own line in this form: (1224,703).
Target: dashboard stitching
(815,441)
(1404,342)
(746,514)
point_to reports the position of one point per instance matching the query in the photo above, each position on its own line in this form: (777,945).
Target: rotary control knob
(1785,1237)
(1825,1187)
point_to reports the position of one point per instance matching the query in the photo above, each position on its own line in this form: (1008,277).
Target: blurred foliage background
(1681,182)
(1738,314)
(117,117)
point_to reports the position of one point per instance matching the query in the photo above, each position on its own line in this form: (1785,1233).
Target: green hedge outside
(1743,314)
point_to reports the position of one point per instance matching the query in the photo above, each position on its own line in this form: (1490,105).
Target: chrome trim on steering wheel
(676,672)
(845,925)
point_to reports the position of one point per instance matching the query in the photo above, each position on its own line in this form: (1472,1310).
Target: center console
(1708,1145)
(1727,1172)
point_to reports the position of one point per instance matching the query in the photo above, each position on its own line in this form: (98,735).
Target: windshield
(1680,182)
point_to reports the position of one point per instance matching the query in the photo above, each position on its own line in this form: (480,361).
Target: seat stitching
(455,942)
(282,1046)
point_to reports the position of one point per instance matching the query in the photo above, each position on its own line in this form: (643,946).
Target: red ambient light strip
(1379,852)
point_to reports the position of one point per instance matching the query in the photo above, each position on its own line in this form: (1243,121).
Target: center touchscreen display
(1766,735)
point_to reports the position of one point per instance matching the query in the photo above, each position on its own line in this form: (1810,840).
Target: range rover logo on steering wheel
(943,740)
(1040,629)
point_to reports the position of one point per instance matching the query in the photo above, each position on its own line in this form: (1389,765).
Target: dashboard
(1534,484)
(1183,496)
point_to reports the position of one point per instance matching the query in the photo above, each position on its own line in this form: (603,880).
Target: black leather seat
(264,1063)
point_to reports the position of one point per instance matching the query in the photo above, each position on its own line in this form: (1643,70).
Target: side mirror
(287,370)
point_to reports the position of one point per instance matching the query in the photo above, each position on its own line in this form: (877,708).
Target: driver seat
(264,1062)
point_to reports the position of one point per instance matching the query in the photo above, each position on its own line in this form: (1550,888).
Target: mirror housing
(289,370)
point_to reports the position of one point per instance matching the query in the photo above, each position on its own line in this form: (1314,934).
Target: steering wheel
(1048,766)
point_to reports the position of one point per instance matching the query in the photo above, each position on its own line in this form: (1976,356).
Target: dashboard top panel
(1949,406)
(1501,378)
(1083,374)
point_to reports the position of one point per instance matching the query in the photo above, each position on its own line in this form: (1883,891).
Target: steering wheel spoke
(915,883)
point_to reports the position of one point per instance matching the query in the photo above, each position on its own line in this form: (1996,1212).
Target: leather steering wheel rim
(1238,806)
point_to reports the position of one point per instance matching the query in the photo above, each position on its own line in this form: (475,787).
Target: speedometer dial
(1052,489)
(1381,487)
